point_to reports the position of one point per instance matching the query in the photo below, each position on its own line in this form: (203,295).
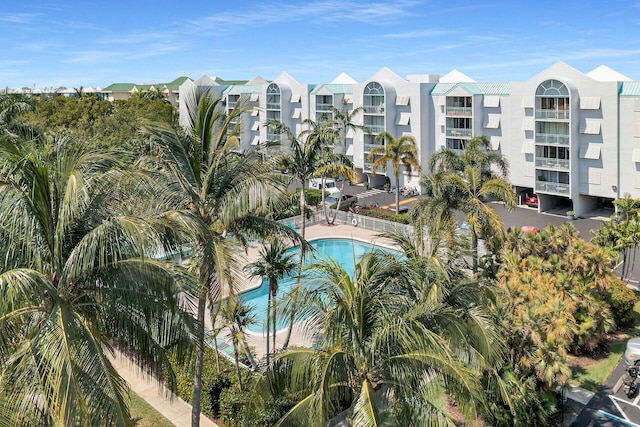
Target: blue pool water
(346,252)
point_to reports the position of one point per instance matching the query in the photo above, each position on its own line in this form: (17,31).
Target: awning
(403,119)
(492,122)
(527,102)
(528,124)
(636,155)
(402,100)
(351,133)
(590,103)
(349,150)
(297,112)
(254,97)
(528,147)
(255,126)
(590,151)
(255,112)
(348,99)
(495,143)
(255,140)
(295,97)
(590,127)
(491,101)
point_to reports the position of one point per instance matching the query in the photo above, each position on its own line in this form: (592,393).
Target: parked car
(529,229)
(346,200)
(632,353)
(531,200)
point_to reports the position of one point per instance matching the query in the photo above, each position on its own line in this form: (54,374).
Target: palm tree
(392,338)
(238,316)
(464,181)
(326,132)
(399,152)
(77,279)
(275,261)
(345,120)
(220,191)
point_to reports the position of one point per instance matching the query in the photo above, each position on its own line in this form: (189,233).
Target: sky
(49,44)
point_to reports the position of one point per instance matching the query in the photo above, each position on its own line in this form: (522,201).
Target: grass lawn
(592,372)
(144,415)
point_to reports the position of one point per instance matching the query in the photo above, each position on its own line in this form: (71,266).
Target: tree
(465,181)
(275,261)
(345,120)
(399,152)
(326,133)
(220,192)
(76,279)
(238,316)
(391,337)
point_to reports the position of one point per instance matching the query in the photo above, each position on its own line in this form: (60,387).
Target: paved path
(169,405)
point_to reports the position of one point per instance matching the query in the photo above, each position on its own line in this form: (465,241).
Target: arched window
(552,88)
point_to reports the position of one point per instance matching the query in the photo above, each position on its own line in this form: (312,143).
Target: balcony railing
(552,114)
(274,137)
(459,133)
(273,105)
(374,109)
(323,107)
(552,187)
(558,164)
(552,139)
(459,111)
(375,128)
(369,147)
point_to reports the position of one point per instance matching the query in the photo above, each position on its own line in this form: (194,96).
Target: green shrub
(388,215)
(213,383)
(244,409)
(621,299)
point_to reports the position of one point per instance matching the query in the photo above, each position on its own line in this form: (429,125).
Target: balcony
(324,107)
(459,133)
(273,105)
(369,147)
(460,111)
(552,187)
(552,114)
(374,109)
(554,164)
(552,139)
(274,136)
(375,128)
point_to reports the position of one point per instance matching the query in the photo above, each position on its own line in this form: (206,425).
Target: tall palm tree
(391,340)
(221,190)
(275,261)
(399,152)
(238,316)
(77,279)
(330,164)
(463,181)
(345,120)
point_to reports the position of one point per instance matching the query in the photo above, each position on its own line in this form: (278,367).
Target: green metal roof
(128,87)
(473,88)
(630,89)
(334,88)
(243,89)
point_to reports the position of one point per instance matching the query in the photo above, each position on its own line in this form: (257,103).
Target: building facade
(572,138)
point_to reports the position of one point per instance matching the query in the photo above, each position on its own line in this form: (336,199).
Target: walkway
(148,388)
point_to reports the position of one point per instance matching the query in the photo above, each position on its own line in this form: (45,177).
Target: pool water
(346,252)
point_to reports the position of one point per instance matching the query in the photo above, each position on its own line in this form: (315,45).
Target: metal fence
(348,218)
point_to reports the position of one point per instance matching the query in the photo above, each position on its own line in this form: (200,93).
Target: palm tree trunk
(215,340)
(268,324)
(247,352)
(235,356)
(273,319)
(397,198)
(474,251)
(197,375)
(295,295)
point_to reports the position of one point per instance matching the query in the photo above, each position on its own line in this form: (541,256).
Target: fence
(362,221)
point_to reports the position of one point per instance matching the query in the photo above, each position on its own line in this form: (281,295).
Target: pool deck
(301,335)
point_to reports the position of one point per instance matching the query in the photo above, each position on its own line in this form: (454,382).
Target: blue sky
(96,43)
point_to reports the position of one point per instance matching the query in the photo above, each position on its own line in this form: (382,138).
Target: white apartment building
(572,138)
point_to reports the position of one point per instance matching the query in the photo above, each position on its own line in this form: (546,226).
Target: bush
(385,214)
(246,410)
(213,383)
(622,300)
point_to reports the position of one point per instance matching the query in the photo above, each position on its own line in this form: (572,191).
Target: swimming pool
(346,252)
